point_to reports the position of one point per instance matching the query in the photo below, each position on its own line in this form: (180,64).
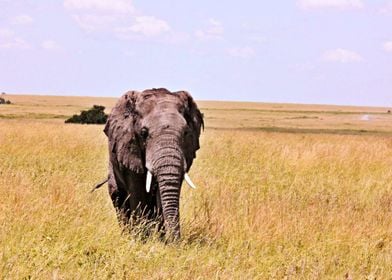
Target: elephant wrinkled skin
(152,132)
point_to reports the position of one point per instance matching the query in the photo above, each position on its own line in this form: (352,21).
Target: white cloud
(145,27)
(342,56)
(100,15)
(387,9)
(388,46)
(22,20)
(111,6)
(213,31)
(93,22)
(333,4)
(5,32)
(8,40)
(117,18)
(242,52)
(50,45)
(149,26)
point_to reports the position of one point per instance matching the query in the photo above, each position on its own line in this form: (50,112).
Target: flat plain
(285,191)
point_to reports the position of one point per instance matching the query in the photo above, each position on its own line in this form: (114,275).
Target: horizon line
(208,100)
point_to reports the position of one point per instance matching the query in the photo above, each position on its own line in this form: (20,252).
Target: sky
(287,51)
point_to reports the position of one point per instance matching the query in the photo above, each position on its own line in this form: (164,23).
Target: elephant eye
(187,132)
(144,133)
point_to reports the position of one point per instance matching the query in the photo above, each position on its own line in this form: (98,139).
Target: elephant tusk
(189,181)
(148,181)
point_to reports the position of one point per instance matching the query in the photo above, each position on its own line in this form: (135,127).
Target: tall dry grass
(268,206)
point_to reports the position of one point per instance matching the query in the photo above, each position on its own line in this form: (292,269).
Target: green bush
(95,115)
(3,101)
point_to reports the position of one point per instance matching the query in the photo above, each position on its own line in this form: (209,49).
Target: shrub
(95,115)
(3,101)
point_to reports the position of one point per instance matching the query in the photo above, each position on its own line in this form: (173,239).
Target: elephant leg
(141,206)
(134,206)
(119,199)
(118,193)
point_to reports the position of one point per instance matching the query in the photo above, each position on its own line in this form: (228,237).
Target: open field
(226,115)
(284,192)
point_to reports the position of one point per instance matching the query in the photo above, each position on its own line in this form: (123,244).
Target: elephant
(153,137)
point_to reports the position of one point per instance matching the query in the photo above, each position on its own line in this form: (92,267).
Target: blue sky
(304,51)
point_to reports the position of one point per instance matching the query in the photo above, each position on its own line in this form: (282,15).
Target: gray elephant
(153,138)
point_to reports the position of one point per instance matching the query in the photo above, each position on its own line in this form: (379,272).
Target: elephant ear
(120,129)
(195,122)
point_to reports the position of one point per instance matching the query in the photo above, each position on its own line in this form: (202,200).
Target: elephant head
(153,138)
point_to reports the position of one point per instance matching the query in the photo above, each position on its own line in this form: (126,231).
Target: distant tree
(3,93)
(95,115)
(3,101)
(389,111)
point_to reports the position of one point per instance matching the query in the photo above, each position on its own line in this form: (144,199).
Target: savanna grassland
(284,192)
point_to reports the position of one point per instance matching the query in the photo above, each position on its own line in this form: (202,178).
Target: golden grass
(269,205)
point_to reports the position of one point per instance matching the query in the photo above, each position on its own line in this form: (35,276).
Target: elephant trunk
(169,171)
(169,190)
